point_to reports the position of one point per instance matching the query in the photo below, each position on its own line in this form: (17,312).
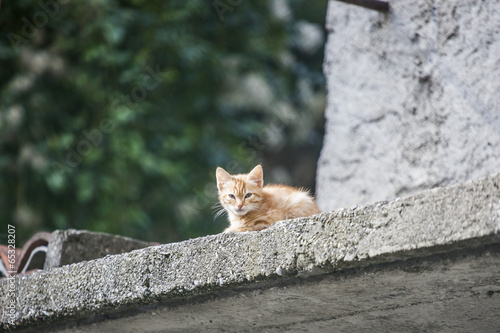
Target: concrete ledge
(431,222)
(71,246)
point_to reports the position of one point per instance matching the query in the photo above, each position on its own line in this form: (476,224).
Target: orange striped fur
(251,206)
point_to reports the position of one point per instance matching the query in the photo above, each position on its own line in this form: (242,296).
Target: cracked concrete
(314,271)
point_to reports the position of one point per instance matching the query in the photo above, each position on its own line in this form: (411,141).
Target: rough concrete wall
(413,99)
(430,222)
(71,246)
(456,292)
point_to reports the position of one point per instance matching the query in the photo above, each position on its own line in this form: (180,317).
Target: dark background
(115,114)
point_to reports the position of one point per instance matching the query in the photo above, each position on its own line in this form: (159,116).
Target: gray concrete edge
(430,222)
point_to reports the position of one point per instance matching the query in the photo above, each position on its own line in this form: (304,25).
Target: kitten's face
(240,194)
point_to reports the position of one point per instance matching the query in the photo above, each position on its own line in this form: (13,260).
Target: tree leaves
(128,107)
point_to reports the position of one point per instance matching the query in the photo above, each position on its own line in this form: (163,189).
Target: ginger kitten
(252,206)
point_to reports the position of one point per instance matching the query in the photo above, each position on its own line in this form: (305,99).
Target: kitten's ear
(223,177)
(256,176)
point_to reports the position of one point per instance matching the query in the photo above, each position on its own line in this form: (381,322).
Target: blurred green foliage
(115,114)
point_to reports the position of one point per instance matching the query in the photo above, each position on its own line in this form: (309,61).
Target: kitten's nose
(240,205)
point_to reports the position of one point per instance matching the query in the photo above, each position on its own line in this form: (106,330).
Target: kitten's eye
(232,196)
(248,195)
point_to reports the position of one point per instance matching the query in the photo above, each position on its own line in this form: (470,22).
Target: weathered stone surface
(413,99)
(72,246)
(447,293)
(432,222)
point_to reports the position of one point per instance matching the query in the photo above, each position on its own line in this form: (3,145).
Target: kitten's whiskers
(219,210)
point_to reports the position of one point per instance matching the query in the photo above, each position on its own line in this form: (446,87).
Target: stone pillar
(413,99)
